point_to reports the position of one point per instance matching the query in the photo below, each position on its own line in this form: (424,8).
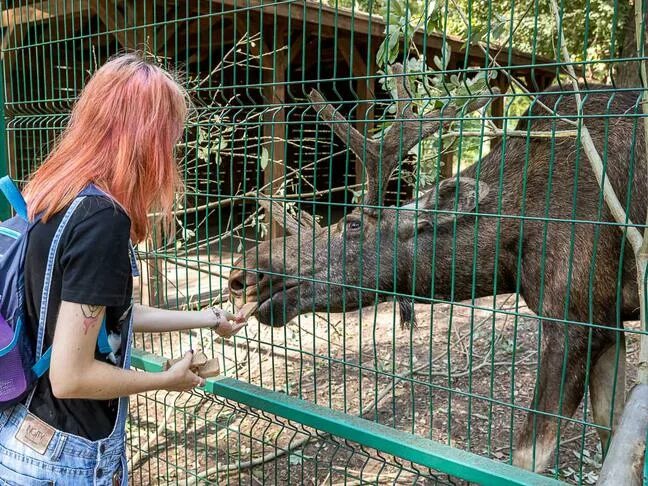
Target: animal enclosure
(408,190)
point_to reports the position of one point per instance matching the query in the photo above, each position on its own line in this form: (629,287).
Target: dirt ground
(456,378)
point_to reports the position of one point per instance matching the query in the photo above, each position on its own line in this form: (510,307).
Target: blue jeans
(68,459)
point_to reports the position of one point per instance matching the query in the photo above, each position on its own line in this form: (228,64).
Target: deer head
(372,250)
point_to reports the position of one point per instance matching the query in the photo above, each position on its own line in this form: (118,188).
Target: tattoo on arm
(90,316)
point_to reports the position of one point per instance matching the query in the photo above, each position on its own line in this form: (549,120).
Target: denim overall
(65,459)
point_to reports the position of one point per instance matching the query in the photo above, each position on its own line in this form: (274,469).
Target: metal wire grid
(204,439)
(464,376)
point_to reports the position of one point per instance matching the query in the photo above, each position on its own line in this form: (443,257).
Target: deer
(579,279)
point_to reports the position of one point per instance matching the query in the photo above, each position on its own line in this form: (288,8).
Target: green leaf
(203,153)
(265,157)
(430,9)
(381,58)
(394,46)
(294,459)
(396,9)
(202,135)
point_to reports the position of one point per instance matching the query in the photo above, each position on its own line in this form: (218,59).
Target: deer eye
(353,225)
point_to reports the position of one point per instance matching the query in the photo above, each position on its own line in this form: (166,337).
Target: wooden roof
(290,19)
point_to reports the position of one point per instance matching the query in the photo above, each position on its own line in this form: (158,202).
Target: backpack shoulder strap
(11,192)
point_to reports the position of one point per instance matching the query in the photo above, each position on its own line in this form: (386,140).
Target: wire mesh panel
(207,440)
(410,192)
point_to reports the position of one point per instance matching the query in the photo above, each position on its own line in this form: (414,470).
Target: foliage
(432,87)
(526,25)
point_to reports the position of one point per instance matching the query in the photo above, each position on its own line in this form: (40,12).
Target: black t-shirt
(92,267)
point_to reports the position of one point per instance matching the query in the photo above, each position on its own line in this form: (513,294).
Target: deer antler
(360,145)
(381,158)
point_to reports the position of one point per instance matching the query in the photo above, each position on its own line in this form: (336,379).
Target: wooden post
(275,130)
(497,106)
(447,158)
(624,463)
(153,276)
(365,89)
(130,32)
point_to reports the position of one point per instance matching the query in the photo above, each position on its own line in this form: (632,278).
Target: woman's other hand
(180,377)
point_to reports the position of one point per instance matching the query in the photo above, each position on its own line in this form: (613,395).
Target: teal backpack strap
(102,339)
(43,364)
(14,197)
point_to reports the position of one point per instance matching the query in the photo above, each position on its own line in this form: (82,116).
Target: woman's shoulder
(100,219)
(100,208)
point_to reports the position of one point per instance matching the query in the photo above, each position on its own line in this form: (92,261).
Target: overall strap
(42,360)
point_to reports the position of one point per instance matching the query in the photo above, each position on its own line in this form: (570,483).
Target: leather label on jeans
(35,433)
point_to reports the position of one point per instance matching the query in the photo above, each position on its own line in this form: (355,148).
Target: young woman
(118,153)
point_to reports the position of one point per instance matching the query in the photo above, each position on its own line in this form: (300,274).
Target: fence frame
(428,453)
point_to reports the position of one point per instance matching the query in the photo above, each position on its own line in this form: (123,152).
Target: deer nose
(239,280)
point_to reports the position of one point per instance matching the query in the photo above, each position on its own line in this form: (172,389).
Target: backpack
(22,361)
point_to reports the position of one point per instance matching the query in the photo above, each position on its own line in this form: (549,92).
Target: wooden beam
(22,15)
(295,49)
(338,21)
(359,66)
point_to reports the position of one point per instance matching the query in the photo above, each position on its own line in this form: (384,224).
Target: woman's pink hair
(121,137)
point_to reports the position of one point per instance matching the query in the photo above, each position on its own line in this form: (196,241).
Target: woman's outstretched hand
(180,377)
(226,324)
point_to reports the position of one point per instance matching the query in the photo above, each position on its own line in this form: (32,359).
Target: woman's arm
(75,373)
(149,319)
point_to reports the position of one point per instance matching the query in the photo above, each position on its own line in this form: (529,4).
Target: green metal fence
(424,342)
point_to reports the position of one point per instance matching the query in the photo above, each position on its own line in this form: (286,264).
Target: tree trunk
(626,74)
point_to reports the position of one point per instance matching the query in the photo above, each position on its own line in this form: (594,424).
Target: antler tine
(359,144)
(399,142)
(404,101)
(413,128)
(379,170)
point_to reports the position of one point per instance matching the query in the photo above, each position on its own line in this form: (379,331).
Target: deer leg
(603,393)
(539,435)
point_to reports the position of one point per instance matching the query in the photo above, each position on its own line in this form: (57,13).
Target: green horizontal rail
(427,453)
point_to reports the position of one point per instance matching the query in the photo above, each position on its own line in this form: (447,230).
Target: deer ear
(453,197)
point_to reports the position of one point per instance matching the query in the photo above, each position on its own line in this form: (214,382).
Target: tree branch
(617,210)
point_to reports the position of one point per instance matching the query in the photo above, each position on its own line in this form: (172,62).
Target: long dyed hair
(121,137)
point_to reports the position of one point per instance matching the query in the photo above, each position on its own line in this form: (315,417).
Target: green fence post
(5,210)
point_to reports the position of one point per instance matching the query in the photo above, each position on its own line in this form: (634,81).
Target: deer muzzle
(244,286)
